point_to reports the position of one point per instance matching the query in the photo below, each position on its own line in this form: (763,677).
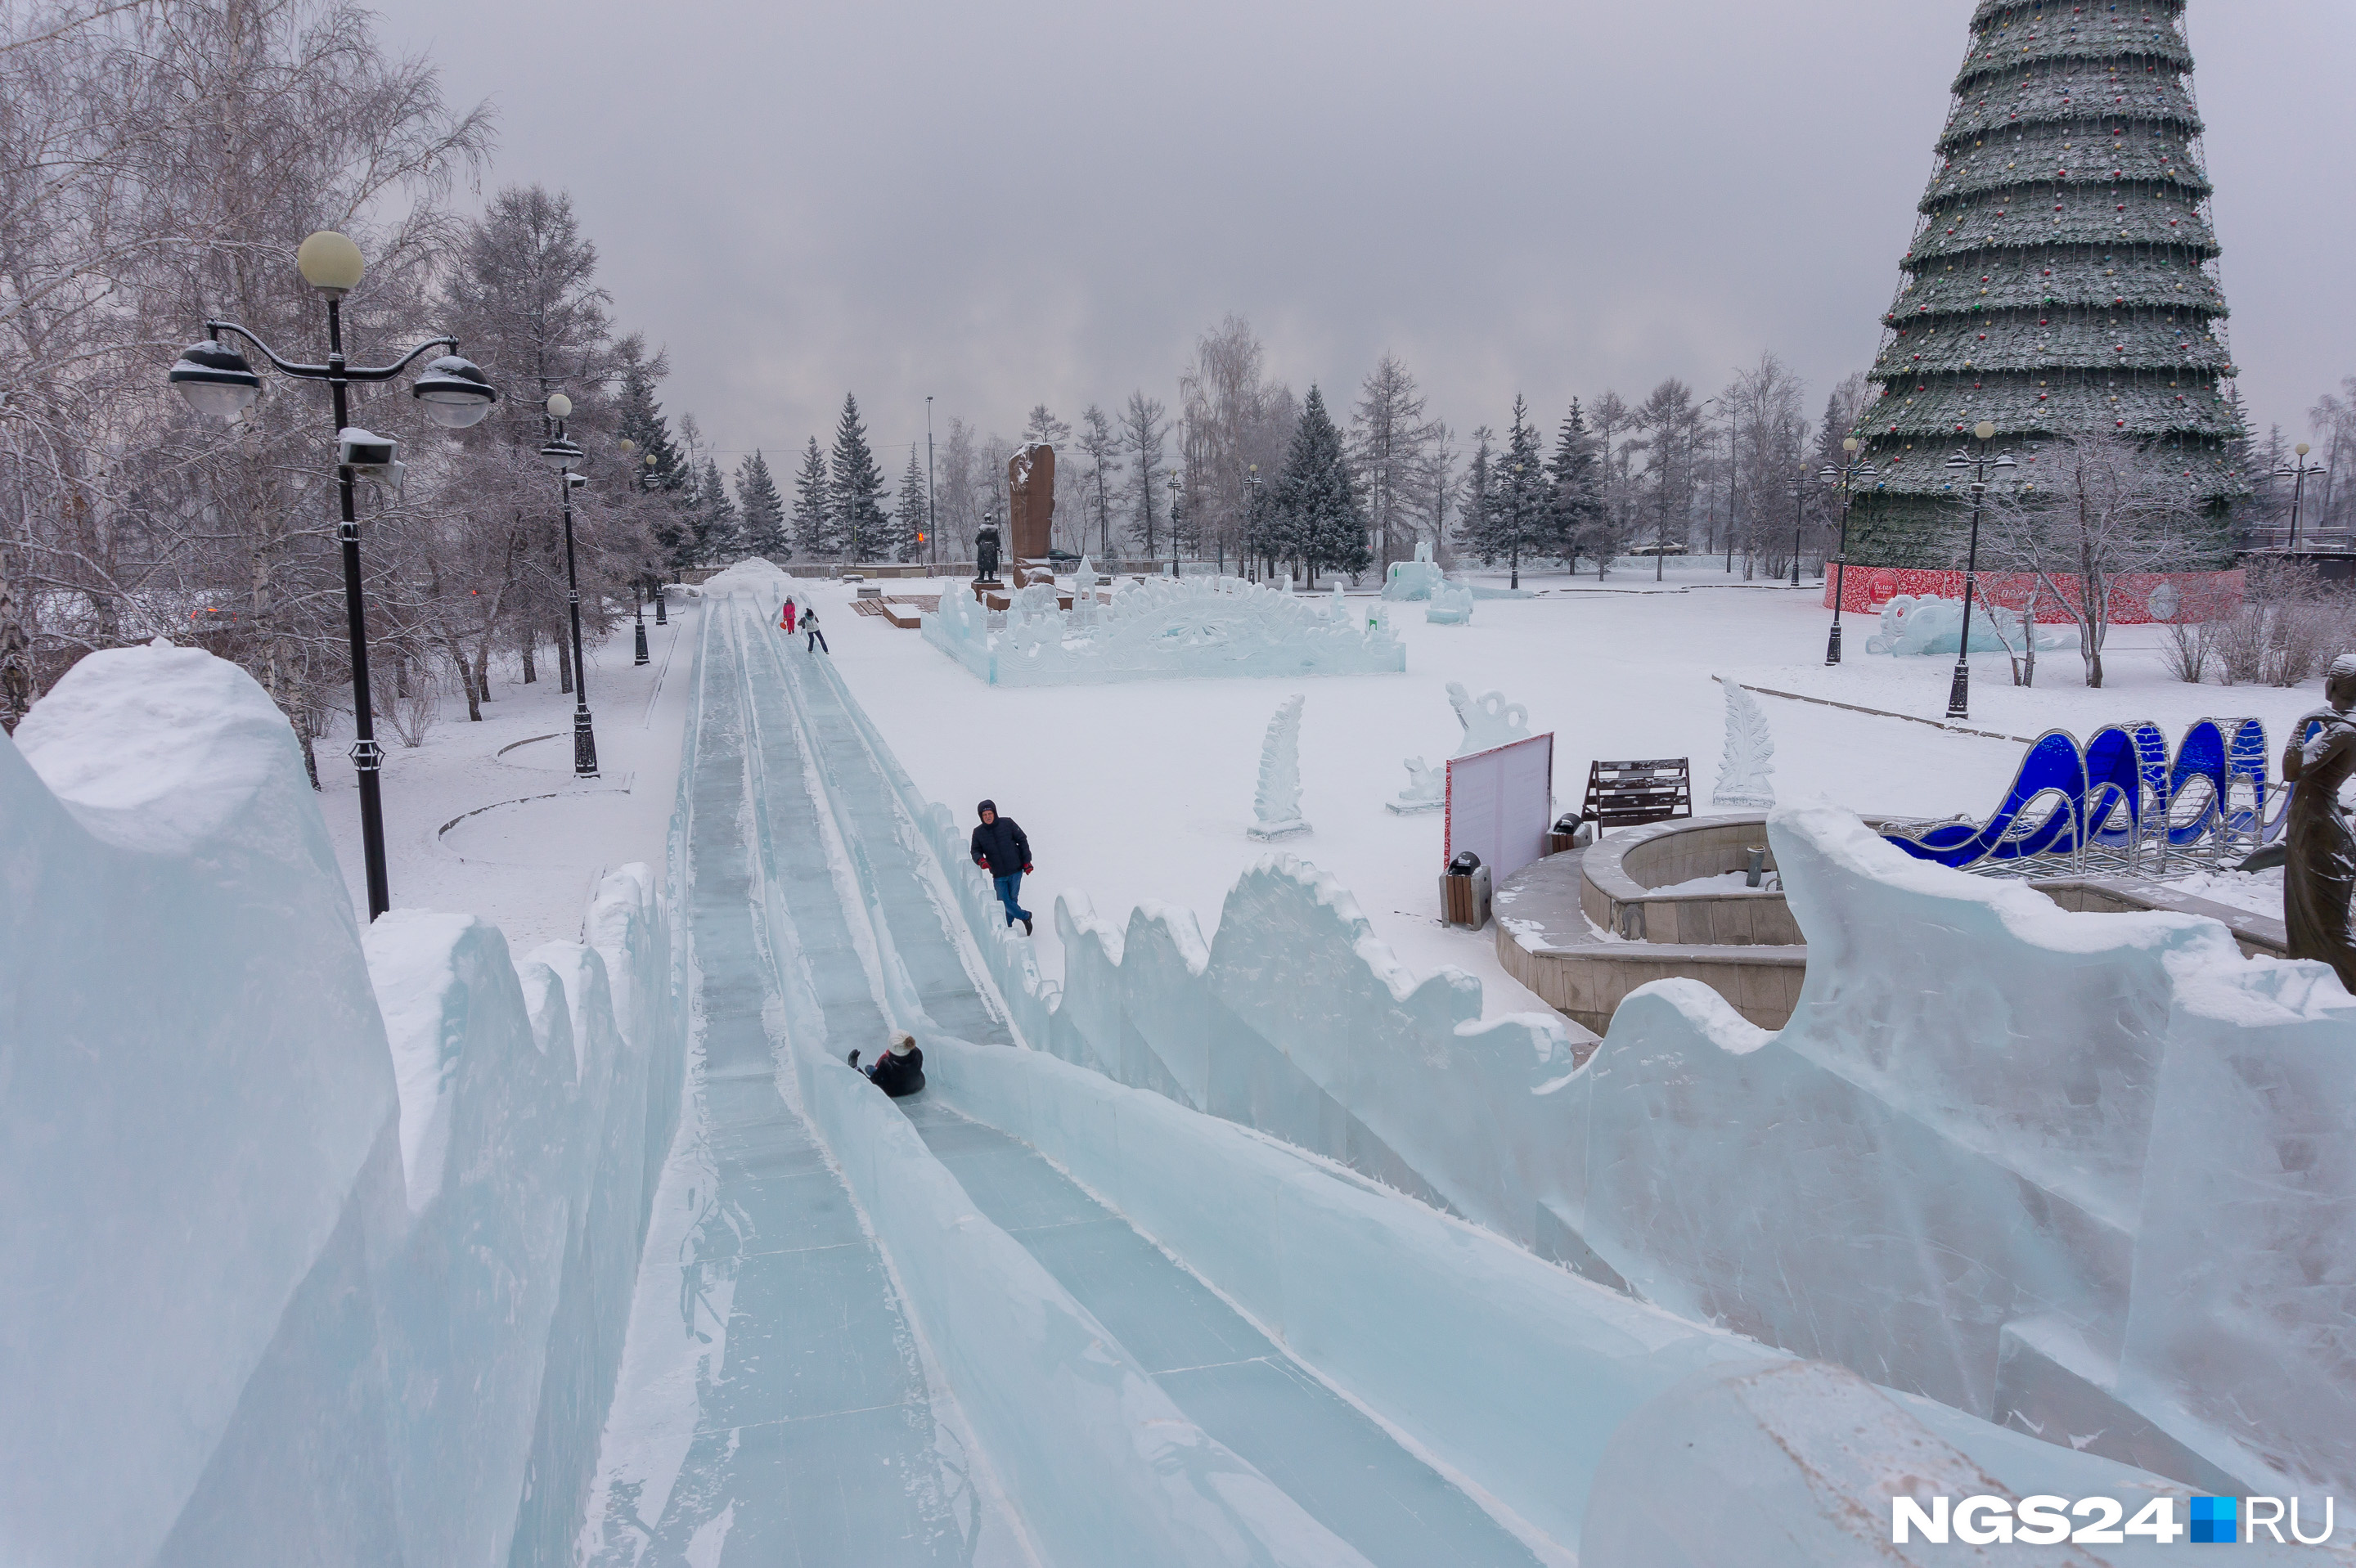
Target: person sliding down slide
(900,1071)
(1000,848)
(816,638)
(786,616)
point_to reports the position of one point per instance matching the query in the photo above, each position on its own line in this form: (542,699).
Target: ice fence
(1935,1176)
(334,1230)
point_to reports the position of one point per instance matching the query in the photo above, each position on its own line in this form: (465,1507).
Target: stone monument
(1031,486)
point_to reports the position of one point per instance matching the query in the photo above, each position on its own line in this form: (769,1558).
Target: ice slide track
(874,943)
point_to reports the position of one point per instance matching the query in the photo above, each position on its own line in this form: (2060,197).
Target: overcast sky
(1049,200)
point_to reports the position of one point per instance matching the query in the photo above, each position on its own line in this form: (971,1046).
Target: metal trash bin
(1465,892)
(1568,833)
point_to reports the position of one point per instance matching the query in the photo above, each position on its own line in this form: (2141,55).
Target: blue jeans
(1009,887)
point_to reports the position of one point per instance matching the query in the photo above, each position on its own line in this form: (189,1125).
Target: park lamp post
(2297,473)
(563,455)
(1844,478)
(1174,525)
(1977,461)
(1799,494)
(218,381)
(1256,527)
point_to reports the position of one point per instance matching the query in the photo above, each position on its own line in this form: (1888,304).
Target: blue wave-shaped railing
(2119,797)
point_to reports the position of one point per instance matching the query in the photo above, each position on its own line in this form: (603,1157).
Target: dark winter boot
(852,1058)
(1026,925)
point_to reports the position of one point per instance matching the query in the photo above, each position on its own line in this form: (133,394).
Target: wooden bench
(1629,794)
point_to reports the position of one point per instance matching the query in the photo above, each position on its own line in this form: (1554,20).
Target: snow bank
(282,1282)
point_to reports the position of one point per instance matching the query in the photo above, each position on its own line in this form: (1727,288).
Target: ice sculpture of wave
(1161,627)
(336,1230)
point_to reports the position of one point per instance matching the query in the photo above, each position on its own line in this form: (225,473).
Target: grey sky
(1047,200)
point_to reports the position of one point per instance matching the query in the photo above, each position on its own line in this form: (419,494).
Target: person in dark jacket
(1000,848)
(900,1071)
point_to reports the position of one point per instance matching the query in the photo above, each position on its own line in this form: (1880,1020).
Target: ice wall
(281,1283)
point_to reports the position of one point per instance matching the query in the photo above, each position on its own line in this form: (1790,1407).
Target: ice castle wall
(299,1288)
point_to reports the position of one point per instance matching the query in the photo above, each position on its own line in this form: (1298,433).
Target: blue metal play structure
(2119,804)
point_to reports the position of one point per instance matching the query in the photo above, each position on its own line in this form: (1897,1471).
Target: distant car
(1652,549)
(1059,556)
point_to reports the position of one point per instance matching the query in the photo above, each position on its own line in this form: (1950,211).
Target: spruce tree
(1478,485)
(642,424)
(1318,519)
(716,533)
(908,523)
(1574,498)
(763,510)
(813,508)
(855,489)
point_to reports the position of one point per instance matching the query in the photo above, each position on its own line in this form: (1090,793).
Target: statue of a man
(985,552)
(2319,873)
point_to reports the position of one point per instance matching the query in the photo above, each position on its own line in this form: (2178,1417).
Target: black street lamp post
(216,379)
(1514,545)
(562,455)
(638,603)
(1256,525)
(1959,695)
(1799,525)
(1174,523)
(2299,473)
(1845,478)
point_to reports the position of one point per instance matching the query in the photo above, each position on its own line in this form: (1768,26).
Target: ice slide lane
(815,1443)
(1340,1466)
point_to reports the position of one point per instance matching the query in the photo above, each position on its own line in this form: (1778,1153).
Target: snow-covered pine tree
(1515,521)
(642,424)
(813,519)
(1574,498)
(908,521)
(1316,507)
(855,489)
(1045,428)
(1478,485)
(1143,427)
(763,510)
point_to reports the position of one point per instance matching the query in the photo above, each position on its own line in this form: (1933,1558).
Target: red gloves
(1026,867)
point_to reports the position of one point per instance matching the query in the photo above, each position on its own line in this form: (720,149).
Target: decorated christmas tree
(2064,279)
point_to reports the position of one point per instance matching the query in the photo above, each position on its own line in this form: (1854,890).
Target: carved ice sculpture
(1084,596)
(1417,579)
(1163,627)
(1427,790)
(1743,771)
(1489,723)
(1930,624)
(1276,808)
(1452,605)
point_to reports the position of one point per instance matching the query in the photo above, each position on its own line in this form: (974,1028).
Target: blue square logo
(2217,1520)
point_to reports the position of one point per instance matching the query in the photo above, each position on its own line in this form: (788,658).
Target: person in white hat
(900,1071)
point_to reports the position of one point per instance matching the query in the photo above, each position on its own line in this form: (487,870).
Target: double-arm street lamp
(217,380)
(1976,462)
(2298,471)
(1174,523)
(1852,471)
(564,455)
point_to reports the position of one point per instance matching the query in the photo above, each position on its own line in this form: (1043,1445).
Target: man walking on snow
(1000,848)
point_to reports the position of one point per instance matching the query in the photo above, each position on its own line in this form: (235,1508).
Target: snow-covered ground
(487,818)
(1143,792)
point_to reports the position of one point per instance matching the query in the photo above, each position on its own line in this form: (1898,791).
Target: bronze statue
(985,552)
(2319,872)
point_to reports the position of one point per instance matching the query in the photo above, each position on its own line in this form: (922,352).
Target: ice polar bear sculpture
(1930,624)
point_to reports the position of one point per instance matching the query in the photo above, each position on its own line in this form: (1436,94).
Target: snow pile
(757,575)
(307,1278)
(1163,627)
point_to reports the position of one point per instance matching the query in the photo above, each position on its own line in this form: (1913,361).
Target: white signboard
(1500,804)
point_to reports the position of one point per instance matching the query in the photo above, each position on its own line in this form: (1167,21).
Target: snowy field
(1141,792)
(487,818)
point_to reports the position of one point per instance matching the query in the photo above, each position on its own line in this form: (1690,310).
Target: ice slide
(1036,1316)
